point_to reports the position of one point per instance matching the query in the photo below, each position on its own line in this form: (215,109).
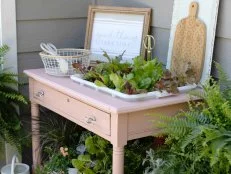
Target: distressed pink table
(115,120)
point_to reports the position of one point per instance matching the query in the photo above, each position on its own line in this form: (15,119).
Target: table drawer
(75,110)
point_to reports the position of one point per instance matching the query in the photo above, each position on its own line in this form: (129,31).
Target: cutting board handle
(193,9)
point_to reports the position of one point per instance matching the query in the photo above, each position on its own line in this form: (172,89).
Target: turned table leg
(35,134)
(118,160)
(118,140)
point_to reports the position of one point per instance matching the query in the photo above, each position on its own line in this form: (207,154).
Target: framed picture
(117,30)
(207,13)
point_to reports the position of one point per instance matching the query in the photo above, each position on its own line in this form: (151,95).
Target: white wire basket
(61,64)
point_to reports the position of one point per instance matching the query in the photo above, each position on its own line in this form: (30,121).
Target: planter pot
(72,171)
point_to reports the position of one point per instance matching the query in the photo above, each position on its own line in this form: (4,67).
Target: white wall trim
(8,32)
(8,36)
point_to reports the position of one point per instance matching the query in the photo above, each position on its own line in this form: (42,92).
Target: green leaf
(107,56)
(91,146)
(3,50)
(117,81)
(129,76)
(78,164)
(145,83)
(120,57)
(89,171)
(100,84)
(102,143)
(84,158)
(138,61)
(98,166)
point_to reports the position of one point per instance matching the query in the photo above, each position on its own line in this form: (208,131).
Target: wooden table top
(102,101)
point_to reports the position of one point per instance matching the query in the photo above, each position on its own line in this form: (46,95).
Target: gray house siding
(61,22)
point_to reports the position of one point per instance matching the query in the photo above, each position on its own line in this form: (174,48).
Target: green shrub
(199,141)
(10,99)
(96,156)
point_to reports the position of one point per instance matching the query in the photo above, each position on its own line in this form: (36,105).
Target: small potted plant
(11,128)
(65,153)
(59,162)
(197,140)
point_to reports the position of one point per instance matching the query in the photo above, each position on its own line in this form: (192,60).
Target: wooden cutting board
(189,44)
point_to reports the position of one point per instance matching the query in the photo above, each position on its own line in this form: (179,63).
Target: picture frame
(208,12)
(117,30)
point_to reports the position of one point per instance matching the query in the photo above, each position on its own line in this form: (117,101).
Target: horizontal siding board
(29,61)
(162,10)
(224,19)
(222,54)
(24,91)
(63,33)
(162,13)
(162,39)
(51,9)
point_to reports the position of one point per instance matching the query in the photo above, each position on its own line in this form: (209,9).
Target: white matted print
(115,33)
(115,30)
(208,11)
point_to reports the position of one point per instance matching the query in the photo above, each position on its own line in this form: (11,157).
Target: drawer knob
(90,120)
(40,94)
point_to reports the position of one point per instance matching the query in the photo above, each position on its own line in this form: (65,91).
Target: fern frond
(197,93)
(190,138)
(199,140)
(9,133)
(224,81)
(3,50)
(175,126)
(227,153)
(10,124)
(8,79)
(12,95)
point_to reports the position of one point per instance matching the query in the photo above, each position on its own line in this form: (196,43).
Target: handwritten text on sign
(115,34)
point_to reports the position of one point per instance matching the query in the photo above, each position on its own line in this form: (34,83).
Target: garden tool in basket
(52,50)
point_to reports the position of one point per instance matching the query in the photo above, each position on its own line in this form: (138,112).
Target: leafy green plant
(10,98)
(170,82)
(140,76)
(198,141)
(135,152)
(135,78)
(58,162)
(154,165)
(96,159)
(56,131)
(95,155)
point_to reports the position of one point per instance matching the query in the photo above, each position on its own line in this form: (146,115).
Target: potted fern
(10,99)
(199,140)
